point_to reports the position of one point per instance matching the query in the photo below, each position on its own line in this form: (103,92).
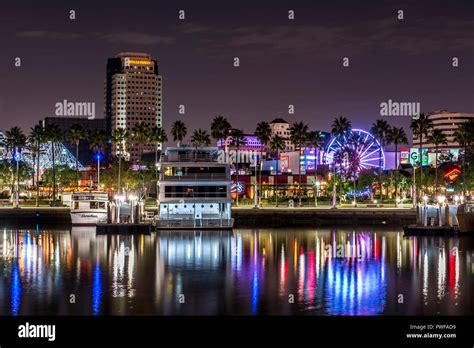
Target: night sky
(282,62)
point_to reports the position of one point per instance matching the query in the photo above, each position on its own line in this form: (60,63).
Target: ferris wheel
(368,149)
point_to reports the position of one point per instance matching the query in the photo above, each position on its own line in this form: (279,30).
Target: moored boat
(465,216)
(89,208)
(194,190)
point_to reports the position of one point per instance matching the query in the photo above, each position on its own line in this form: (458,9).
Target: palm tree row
(221,130)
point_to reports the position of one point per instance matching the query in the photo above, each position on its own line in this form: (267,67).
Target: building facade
(252,143)
(133,94)
(282,128)
(448,122)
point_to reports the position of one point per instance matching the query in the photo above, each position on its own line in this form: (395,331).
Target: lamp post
(441,200)
(274,189)
(413,192)
(98,157)
(334,199)
(316,189)
(425,211)
(355,193)
(17,158)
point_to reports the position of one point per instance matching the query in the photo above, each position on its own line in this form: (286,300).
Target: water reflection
(266,271)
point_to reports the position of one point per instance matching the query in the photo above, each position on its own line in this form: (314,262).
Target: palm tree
(397,136)
(53,136)
(98,141)
(464,136)
(15,141)
(264,134)
(36,139)
(298,136)
(199,139)
(179,131)
(277,144)
(380,130)
(75,134)
(339,129)
(315,139)
(420,128)
(437,138)
(140,134)
(220,129)
(119,139)
(157,136)
(238,140)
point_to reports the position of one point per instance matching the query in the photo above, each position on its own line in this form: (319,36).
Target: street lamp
(425,211)
(456,199)
(98,156)
(441,200)
(17,159)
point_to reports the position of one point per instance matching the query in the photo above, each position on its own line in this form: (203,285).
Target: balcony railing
(195,195)
(192,177)
(190,157)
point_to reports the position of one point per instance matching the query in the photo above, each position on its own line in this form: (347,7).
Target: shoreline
(244,217)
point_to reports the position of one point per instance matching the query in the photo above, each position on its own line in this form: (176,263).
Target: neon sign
(237,187)
(139,62)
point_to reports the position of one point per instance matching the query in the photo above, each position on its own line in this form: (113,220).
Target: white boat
(194,190)
(89,208)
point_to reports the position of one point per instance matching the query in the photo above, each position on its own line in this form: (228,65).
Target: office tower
(133,94)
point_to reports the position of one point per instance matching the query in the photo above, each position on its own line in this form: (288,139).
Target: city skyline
(282,62)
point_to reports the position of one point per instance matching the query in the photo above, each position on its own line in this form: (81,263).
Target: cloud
(44,34)
(415,37)
(131,37)
(190,28)
(117,37)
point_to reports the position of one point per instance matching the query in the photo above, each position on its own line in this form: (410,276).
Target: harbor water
(242,272)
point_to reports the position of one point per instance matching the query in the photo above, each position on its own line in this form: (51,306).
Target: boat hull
(465,221)
(203,224)
(88,218)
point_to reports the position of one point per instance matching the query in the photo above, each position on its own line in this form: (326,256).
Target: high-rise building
(282,128)
(448,123)
(133,94)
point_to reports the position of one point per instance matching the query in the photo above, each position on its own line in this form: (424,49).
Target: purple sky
(282,62)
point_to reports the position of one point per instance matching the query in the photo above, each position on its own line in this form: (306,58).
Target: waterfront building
(194,189)
(252,143)
(448,122)
(282,128)
(133,94)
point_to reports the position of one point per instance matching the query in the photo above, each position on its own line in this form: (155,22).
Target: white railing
(198,223)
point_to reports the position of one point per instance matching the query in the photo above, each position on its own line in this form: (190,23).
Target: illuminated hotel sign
(129,61)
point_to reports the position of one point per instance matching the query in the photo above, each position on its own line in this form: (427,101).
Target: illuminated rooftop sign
(129,61)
